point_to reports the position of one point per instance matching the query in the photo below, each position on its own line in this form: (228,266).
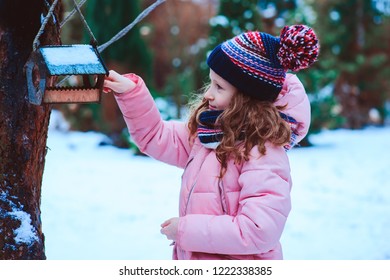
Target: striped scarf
(293,126)
(211,135)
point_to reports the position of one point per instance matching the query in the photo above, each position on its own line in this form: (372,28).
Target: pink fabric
(241,216)
(294,96)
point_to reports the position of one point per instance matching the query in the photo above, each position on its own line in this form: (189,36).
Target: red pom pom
(299,47)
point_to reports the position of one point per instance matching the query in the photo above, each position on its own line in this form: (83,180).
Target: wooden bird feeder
(79,66)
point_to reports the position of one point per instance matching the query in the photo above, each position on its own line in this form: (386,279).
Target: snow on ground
(103,203)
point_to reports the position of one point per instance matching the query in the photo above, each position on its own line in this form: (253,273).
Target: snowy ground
(101,203)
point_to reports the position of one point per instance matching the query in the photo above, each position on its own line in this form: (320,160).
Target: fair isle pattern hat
(256,62)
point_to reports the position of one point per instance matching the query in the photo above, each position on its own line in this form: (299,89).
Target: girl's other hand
(117,83)
(169,228)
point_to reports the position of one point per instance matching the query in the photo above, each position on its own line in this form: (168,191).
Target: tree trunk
(23,130)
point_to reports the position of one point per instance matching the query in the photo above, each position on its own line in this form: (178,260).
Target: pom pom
(299,47)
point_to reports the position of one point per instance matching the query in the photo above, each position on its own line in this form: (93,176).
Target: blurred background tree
(317,82)
(232,18)
(179,33)
(355,39)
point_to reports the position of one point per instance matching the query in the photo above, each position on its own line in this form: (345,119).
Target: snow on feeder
(80,66)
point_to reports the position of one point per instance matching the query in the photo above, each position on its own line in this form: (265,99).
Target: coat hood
(297,112)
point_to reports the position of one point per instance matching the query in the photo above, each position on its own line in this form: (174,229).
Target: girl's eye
(218,86)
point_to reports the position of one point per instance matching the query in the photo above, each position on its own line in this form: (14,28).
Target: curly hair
(246,123)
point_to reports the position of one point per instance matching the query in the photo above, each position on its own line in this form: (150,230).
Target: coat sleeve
(264,205)
(166,141)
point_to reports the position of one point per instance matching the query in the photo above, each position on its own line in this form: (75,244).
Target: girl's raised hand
(117,83)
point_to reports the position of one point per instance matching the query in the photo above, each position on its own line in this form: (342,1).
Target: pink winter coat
(241,216)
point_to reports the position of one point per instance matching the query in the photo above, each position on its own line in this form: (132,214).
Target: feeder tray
(82,62)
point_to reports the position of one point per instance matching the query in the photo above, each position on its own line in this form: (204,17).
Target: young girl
(235,191)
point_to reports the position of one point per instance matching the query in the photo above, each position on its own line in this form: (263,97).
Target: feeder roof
(72,60)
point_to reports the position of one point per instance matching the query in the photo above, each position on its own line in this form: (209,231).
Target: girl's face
(220,92)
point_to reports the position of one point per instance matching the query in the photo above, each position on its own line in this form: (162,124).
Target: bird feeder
(67,74)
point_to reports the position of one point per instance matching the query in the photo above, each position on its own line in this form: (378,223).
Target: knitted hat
(256,62)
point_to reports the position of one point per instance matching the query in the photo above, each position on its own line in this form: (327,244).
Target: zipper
(191,189)
(185,167)
(193,184)
(223,196)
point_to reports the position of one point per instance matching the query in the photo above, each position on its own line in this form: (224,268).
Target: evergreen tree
(106,18)
(355,43)
(350,77)
(277,13)
(233,18)
(324,107)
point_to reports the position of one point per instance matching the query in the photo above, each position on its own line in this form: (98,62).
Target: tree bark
(23,130)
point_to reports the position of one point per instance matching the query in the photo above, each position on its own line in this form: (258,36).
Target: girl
(235,192)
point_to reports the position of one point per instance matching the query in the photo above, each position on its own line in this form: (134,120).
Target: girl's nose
(208,95)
